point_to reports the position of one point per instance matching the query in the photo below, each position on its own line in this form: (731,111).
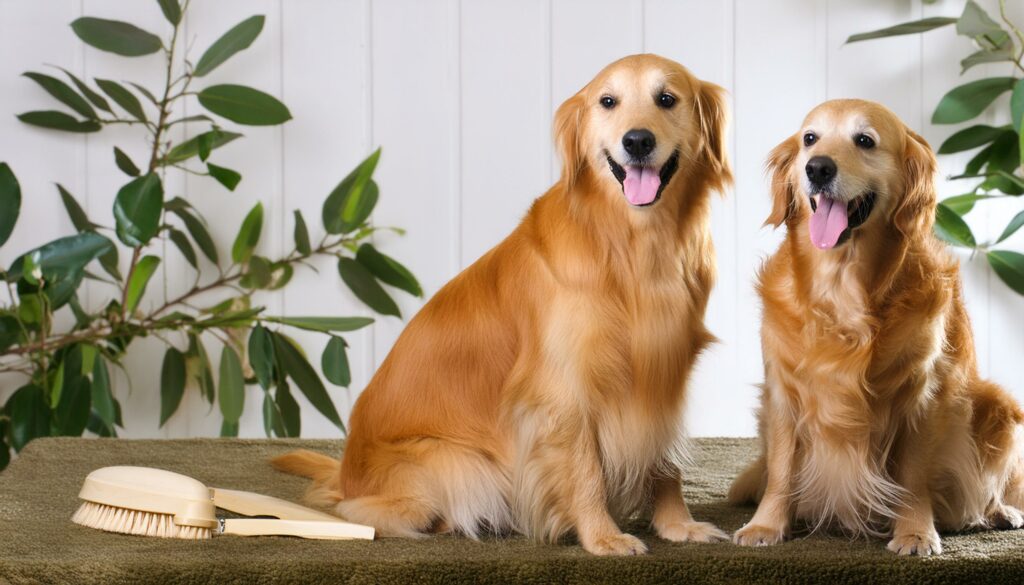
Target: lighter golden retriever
(873,417)
(541,390)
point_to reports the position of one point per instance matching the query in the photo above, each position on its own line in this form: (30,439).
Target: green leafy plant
(997,165)
(67,389)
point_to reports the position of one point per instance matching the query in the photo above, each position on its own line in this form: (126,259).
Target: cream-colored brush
(156,502)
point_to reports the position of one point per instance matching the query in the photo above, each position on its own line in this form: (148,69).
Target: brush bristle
(127,521)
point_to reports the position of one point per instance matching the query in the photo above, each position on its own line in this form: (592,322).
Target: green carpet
(38,542)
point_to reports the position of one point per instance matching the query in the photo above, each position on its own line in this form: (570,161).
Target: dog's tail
(323,470)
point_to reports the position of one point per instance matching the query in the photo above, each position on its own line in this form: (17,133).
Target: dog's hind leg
(406,516)
(748,487)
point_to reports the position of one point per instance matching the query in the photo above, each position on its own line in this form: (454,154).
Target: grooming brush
(155,502)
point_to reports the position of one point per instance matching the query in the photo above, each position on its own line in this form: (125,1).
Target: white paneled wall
(460,94)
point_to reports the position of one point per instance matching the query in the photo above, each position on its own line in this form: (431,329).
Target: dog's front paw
(920,544)
(1005,518)
(757,535)
(692,532)
(616,545)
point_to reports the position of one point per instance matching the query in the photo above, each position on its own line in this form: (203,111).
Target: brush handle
(250,504)
(315,529)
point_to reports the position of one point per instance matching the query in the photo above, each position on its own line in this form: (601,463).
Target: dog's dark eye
(864,141)
(608,102)
(666,100)
(810,138)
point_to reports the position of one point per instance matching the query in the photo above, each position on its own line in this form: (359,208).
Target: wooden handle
(250,504)
(334,530)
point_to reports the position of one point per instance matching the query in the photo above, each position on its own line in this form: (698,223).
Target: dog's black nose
(638,143)
(820,170)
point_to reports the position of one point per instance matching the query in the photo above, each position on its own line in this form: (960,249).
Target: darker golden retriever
(873,416)
(541,390)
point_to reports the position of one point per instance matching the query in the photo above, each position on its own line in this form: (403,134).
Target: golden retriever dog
(873,416)
(541,390)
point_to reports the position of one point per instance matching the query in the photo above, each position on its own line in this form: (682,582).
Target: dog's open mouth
(642,185)
(833,220)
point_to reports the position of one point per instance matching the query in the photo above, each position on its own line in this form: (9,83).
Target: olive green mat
(38,542)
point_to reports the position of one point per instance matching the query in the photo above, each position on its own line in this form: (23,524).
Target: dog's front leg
(672,519)
(770,523)
(914,530)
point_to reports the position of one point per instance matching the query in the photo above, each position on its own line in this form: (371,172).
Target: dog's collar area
(668,170)
(857,212)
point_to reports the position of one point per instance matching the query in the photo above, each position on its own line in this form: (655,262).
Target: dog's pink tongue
(641,185)
(828,222)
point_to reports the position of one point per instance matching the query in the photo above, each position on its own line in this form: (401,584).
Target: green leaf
(280,275)
(10,332)
(302,244)
(109,261)
(974,22)
(63,93)
(96,99)
(29,414)
(1017,106)
(144,270)
(199,233)
(78,217)
(244,105)
(963,204)
(200,367)
(102,397)
(115,36)
(72,412)
(352,201)
(184,246)
(334,362)
(231,389)
(248,235)
(906,28)
(63,257)
(306,378)
(971,137)
(272,420)
(970,99)
(1014,225)
(55,120)
(951,227)
(171,10)
(228,429)
(290,415)
(258,274)
(237,39)
(261,355)
(388,270)
(172,383)
(323,324)
(1009,266)
(124,162)
(366,289)
(186,150)
(123,98)
(10,202)
(224,176)
(986,56)
(137,210)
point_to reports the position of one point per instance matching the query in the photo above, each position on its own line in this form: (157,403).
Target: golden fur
(541,390)
(873,416)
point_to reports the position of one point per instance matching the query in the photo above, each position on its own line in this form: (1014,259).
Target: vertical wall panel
(505,151)
(326,86)
(415,77)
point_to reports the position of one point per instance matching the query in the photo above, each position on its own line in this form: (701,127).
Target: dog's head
(642,122)
(854,167)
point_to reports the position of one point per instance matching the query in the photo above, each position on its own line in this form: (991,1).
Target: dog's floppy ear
(778,166)
(713,115)
(568,120)
(915,209)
